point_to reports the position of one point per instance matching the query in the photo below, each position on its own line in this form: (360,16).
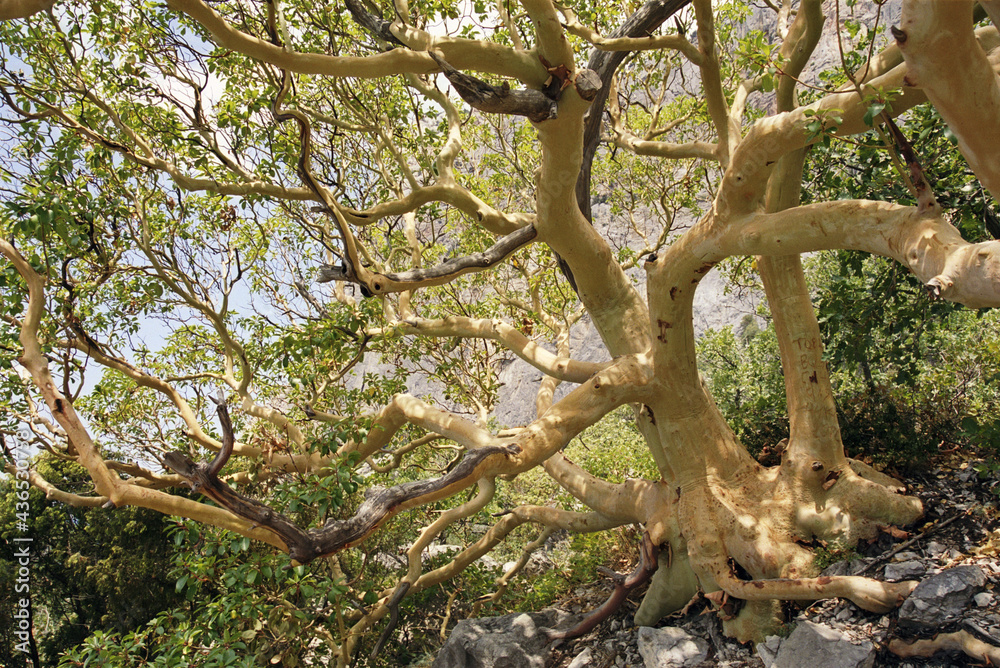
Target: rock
(670,646)
(435,550)
(941,598)
(584,659)
(817,645)
(935,548)
(768,650)
(983,599)
(512,641)
(906,570)
(846,567)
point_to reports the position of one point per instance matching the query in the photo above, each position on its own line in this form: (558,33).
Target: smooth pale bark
(611,300)
(463,54)
(714,505)
(945,61)
(21,9)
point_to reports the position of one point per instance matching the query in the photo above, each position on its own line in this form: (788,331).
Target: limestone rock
(818,645)
(584,659)
(512,641)
(768,650)
(670,646)
(905,570)
(941,598)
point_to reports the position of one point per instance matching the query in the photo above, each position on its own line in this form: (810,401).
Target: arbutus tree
(270,190)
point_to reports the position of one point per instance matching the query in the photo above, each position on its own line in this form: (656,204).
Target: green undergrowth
(942,396)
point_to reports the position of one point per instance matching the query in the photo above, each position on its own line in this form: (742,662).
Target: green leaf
(874,110)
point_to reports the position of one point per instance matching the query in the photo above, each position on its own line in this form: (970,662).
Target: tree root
(868,594)
(958,641)
(647,565)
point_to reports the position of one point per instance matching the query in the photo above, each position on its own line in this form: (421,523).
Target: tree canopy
(217,214)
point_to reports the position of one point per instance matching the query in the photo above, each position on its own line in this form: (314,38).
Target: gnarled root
(868,594)
(648,562)
(748,536)
(958,641)
(670,589)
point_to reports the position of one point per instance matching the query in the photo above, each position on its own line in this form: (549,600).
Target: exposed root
(867,594)
(950,642)
(648,557)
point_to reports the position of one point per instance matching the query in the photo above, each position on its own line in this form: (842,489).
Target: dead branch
(439,274)
(534,104)
(380,504)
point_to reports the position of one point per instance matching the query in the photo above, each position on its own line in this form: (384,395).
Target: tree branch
(370,22)
(533,104)
(473,54)
(438,275)
(21,9)
(648,555)
(944,59)
(650,17)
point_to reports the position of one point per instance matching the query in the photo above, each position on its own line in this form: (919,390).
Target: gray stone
(768,650)
(941,598)
(817,645)
(983,599)
(846,567)
(935,548)
(584,659)
(511,641)
(671,646)
(905,570)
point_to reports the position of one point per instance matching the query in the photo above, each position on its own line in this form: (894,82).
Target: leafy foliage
(92,570)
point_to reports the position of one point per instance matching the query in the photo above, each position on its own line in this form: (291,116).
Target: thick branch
(22,9)
(492,58)
(336,535)
(438,275)
(944,59)
(929,245)
(491,99)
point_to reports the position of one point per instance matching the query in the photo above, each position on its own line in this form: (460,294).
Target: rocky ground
(954,552)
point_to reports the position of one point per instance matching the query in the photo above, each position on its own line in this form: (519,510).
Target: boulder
(940,599)
(671,646)
(905,570)
(518,640)
(818,645)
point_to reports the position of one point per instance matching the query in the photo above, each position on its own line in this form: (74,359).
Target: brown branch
(533,104)
(439,274)
(393,605)
(924,193)
(370,22)
(623,585)
(380,504)
(604,64)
